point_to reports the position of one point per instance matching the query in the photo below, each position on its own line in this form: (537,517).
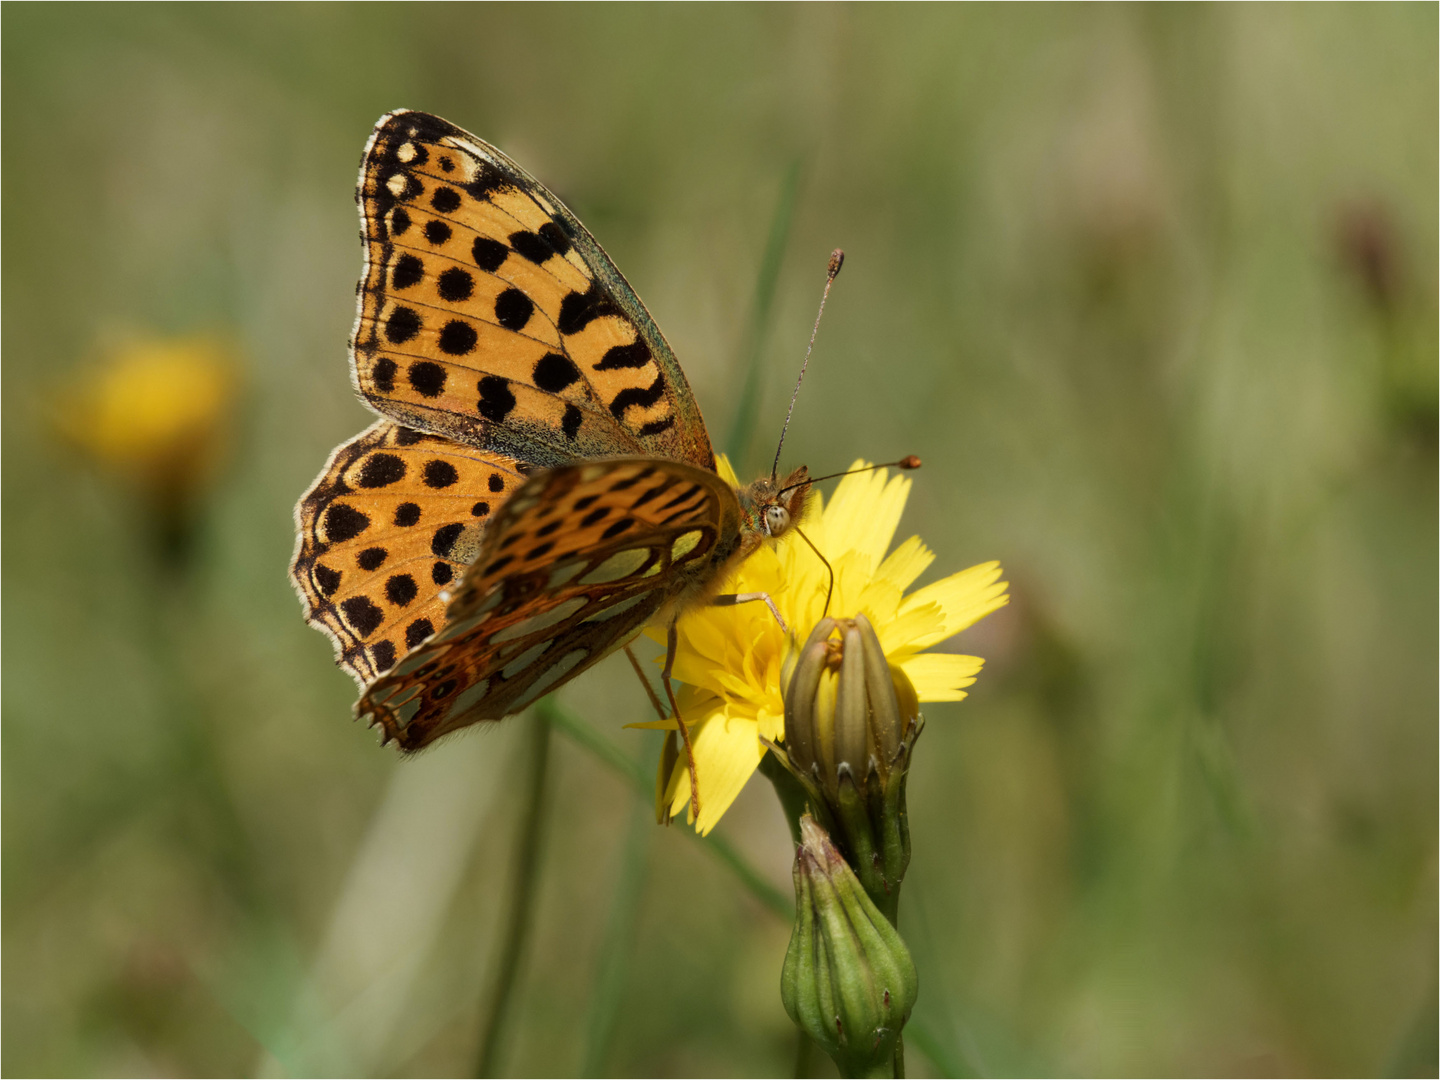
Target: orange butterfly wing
(489,314)
(572,567)
(395,516)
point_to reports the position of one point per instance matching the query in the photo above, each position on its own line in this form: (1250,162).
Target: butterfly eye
(777,520)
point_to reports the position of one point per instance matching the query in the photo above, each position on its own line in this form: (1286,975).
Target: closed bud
(849,981)
(851,721)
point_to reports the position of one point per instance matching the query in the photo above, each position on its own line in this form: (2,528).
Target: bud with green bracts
(848,982)
(851,721)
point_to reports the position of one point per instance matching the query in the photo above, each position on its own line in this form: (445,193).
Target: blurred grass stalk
(349,1018)
(520,907)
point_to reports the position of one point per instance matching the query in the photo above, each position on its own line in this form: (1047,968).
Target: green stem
(519,916)
(940,1053)
(794,800)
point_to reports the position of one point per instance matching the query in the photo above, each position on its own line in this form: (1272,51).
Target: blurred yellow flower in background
(729,658)
(157,412)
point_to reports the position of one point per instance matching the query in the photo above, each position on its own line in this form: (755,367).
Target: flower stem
(524,873)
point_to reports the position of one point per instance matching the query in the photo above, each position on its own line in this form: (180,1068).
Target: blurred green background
(1152,290)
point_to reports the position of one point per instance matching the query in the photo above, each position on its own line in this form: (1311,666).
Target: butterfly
(540,485)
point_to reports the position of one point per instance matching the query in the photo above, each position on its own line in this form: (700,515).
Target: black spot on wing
(513,309)
(480,509)
(496,482)
(655,427)
(383,374)
(417,632)
(458,338)
(441,573)
(578,310)
(343,522)
(570,422)
(530,246)
(372,558)
(496,398)
(445,537)
(554,373)
(487,179)
(381,470)
(437,232)
(553,235)
(407,436)
(634,355)
(399,221)
(400,589)
(440,474)
(407,514)
(326,578)
(383,655)
(427,378)
(617,528)
(634,395)
(408,271)
(402,325)
(455,284)
(489,254)
(446,200)
(362,615)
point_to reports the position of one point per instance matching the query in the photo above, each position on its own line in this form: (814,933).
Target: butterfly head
(771,507)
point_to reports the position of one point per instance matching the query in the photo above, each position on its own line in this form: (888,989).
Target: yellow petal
(906,563)
(941,676)
(726,470)
(727,752)
(965,598)
(865,512)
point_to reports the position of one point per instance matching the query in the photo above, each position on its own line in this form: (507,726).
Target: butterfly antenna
(837,260)
(910,461)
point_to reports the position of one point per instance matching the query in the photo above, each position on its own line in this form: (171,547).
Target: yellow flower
(729,658)
(157,412)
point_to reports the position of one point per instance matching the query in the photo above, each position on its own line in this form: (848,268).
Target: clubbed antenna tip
(837,260)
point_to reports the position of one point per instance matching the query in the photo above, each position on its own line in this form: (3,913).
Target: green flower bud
(851,721)
(848,982)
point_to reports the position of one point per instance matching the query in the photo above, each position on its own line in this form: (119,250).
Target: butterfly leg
(669,755)
(731,599)
(672,640)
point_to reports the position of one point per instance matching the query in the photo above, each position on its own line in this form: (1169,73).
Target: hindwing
(394,518)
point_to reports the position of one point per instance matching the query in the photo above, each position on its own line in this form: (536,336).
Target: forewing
(489,314)
(395,516)
(570,569)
